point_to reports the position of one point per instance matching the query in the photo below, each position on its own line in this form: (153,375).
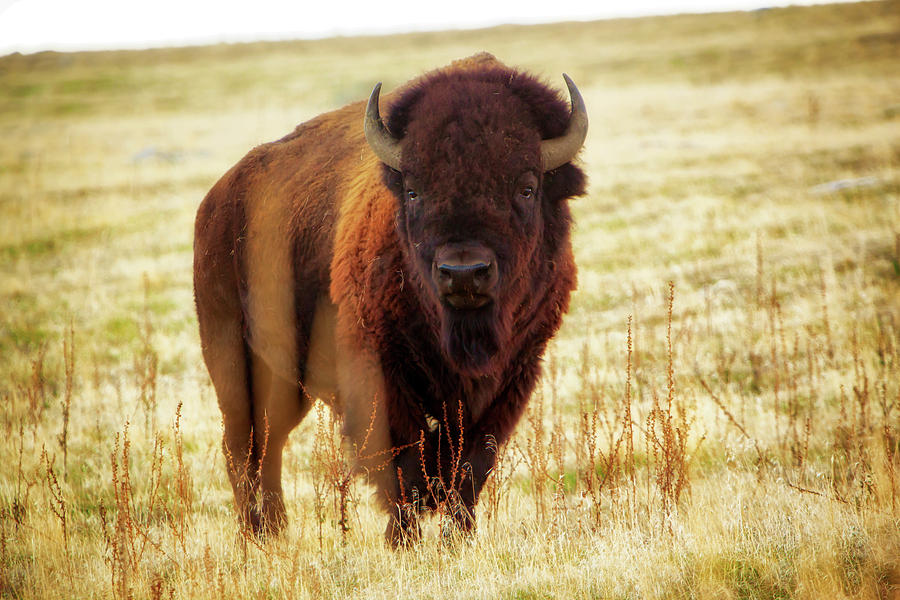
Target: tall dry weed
(146,365)
(69,368)
(58,506)
(333,474)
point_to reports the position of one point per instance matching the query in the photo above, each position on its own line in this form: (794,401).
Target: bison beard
(471,339)
(314,264)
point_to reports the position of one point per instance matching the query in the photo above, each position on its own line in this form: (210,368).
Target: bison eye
(411,195)
(526,193)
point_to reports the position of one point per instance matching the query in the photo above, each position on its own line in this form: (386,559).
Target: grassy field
(719,416)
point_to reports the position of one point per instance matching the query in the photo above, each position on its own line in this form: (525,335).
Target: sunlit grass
(749,159)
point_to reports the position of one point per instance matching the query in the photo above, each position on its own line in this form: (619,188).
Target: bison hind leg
(225,354)
(279,406)
(259,409)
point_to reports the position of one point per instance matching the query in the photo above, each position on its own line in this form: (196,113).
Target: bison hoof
(251,521)
(458,527)
(263,522)
(402,534)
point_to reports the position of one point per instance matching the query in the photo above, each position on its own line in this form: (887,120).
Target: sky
(68,25)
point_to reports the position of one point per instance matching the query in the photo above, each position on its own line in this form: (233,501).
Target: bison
(410,272)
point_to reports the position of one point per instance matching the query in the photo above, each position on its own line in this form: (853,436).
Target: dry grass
(719,417)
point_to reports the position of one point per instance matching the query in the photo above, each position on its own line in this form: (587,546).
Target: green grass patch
(53,243)
(751,579)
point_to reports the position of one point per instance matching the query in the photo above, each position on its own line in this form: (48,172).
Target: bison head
(480,167)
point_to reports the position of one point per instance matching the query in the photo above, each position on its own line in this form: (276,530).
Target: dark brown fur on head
(471,147)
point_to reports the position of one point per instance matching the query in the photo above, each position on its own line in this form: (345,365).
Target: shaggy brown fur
(314,277)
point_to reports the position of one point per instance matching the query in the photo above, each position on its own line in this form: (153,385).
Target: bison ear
(393,180)
(565,182)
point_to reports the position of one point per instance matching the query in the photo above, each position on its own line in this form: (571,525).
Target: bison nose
(465,277)
(461,278)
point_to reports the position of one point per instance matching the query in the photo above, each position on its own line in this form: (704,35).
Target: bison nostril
(465,271)
(465,274)
(473,278)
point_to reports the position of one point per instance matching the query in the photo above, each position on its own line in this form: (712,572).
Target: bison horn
(554,152)
(558,151)
(385,146)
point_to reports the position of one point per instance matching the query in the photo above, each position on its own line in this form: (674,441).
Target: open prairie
(719,416)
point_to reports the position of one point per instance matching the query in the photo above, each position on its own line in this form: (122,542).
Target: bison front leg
(479,462)
(410,493)
(484,441)
(437,474)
